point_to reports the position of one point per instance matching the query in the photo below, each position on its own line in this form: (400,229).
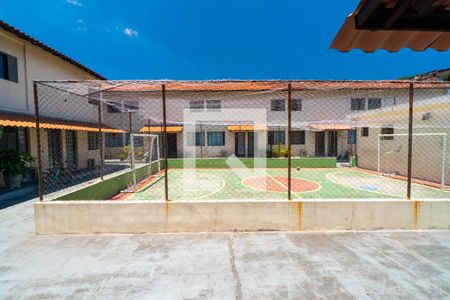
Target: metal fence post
(130,131)
(166,183)
(410,138)
(38,137)
(100,140)
(289,140)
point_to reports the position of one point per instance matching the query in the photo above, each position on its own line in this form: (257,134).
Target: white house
(24,59)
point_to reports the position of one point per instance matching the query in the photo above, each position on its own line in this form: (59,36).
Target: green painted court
(266,184)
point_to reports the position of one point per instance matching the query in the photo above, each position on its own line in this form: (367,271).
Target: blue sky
(210,39)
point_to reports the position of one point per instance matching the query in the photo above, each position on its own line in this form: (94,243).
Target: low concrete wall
(84,217)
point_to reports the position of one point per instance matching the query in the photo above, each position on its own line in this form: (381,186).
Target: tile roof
(261,85)
(26,37)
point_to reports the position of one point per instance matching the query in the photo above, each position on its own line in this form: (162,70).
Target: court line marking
(216,191)
(281,184)
(375,192)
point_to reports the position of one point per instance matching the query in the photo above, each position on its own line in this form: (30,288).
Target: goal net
(145,160)
(429,155)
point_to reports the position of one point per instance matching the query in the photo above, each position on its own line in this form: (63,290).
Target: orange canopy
(50,123)
(158,129)
(331,127)
(247,127)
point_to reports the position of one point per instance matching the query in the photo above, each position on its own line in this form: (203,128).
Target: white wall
(33,63)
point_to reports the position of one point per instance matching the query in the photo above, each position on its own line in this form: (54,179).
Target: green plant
(13,162)
(283,152)
(125,153)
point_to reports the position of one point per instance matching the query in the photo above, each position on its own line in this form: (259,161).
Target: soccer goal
(429,152)
(145,158)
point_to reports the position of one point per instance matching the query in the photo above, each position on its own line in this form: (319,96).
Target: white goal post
(149,153)
(443,153)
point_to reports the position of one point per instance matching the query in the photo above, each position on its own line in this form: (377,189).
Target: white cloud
(81,25)
(130,32)
(75,2)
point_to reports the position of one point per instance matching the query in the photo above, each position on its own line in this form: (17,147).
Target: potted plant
(125,153)
(13,164)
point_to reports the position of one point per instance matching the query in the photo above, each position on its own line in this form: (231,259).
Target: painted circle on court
(279,184)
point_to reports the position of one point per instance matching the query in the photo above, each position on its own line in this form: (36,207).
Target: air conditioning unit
(91,164)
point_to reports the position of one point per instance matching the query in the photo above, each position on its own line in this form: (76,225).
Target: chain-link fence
(231,140)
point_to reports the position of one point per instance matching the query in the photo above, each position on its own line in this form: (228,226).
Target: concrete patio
(266,265)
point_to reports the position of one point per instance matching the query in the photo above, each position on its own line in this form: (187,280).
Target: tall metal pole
(289,139)
(130,131)
(38,137)
(410,138)
(100,140)
(166,183)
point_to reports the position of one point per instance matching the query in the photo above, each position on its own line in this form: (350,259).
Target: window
(216,138)
(276,137)
(113,140)
(298,137)
(387,130)
(365,131)
(374,103)
(15,138)
(138,140)
(277,105)
(196,139)
(213,105)
(296,105)
(131,106)
(8,67)
(358,104)
(93,140)
(351,137)
(197,105)
(113,107)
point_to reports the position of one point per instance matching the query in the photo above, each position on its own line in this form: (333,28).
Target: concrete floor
(338,265)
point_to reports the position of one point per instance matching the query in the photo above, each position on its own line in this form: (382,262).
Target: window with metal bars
(277,105)
(93,140)
(297,105)
(213,105)
(358,104)
(374,103)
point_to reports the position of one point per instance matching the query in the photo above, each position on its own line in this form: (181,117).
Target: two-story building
(321,114)
(24,59)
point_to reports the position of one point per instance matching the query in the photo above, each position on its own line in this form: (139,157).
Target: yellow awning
(49,123)
(247,127)
(159,129)
(331,127)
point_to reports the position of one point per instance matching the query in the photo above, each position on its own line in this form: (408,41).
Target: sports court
(271,184)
